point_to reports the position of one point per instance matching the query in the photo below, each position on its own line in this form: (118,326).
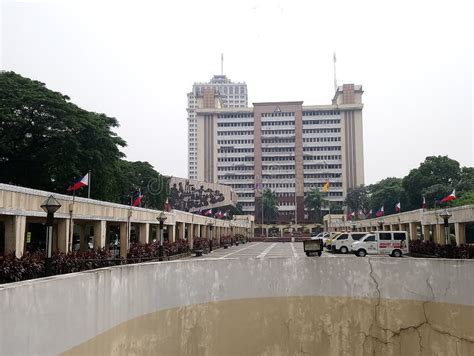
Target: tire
(344,250)
(308,254)
(361,253)
(397,253)
(319,253)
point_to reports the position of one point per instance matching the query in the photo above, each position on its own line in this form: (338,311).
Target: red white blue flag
(450,197)
(397,207)
(137,198)
(81,182)
(380,212)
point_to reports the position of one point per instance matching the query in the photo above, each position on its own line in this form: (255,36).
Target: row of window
(321,122)
(278,132)
(235,159)
(278,158)
(322,158)
(319,113)
(322,139)
(278,123)
(235,177)
(321,130)
(234,150)
(234,133)
(323,166)
(278,114)
(234,116)
(322,175)
(319,185)
(233,168)
(281,140)
(278,149)
(283,167)
(234,124)
(234,142)
(321,148)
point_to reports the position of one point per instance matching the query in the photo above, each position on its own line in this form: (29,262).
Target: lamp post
(161,218)
(381,224)
(211,225)
(50,206)
(445,215)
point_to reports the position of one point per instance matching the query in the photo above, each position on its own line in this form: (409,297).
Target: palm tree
(270,206)
(313,204)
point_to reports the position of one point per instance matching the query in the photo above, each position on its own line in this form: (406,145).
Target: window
(384,236)
(342,237)
(399,236)
(357,236)
(370,238)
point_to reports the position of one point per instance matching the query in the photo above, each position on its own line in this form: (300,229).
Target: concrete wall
(279,306)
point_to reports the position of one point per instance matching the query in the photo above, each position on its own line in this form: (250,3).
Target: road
(270,250)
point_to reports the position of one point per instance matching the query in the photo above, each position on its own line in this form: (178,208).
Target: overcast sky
(136,61)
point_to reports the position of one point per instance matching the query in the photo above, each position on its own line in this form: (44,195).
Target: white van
(393,243)
(343,242)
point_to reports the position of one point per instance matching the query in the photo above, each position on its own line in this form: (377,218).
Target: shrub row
(429,248)
(31,265)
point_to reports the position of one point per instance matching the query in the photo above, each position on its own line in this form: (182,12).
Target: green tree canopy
(358,199)
(313,205)
(46,142)
(387,193)
(434,171)
(270,206)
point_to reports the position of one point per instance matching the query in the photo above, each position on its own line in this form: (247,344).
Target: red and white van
(393,243)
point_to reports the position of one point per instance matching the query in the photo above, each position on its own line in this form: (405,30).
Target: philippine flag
(450,197)
(209,212)
(397,207)
(380,212)
(82,182)
(370,214)
(137,198)
(423,205)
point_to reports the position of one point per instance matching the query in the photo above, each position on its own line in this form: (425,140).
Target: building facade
(219,92)
(285,147)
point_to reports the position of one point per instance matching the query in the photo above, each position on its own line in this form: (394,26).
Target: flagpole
(89,186)
(71,230)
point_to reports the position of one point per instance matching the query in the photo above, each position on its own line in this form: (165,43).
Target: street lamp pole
(50,206)
(381,221)
(211,225)
(445,215)
(161,218)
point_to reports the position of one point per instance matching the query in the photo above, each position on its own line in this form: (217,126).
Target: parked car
(393,243)
(342,243)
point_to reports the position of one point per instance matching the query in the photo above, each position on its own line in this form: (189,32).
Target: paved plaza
(271,250)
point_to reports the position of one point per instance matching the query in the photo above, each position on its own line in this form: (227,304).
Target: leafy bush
(200,243)
(429,248)
(226,240)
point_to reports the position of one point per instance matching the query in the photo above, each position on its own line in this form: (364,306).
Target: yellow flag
(326,187)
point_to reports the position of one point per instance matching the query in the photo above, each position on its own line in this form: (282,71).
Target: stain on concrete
(294,326)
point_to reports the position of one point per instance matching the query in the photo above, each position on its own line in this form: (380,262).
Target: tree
(132,176)
(358,199)
(387,193)
(46,141)
(313,205)
(435,170)
(270,206)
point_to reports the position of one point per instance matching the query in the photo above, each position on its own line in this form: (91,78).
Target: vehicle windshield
(368,238)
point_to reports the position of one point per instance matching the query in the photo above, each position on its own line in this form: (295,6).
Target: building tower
(219,92)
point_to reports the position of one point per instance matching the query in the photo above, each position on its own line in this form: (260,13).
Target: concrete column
(171,233)
(82,237)
(15,229)
(426,232)
(100,233)
(197,230)
(144,233)
(440,236)
(203,231)
(123,239)
(63,234)
(191,229)
(182,227)
(413,230)
(460,231)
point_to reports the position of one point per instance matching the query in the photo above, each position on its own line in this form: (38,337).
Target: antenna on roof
(335,80)
(222,63)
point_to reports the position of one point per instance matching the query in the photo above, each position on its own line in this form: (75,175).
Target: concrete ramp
(274,306)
